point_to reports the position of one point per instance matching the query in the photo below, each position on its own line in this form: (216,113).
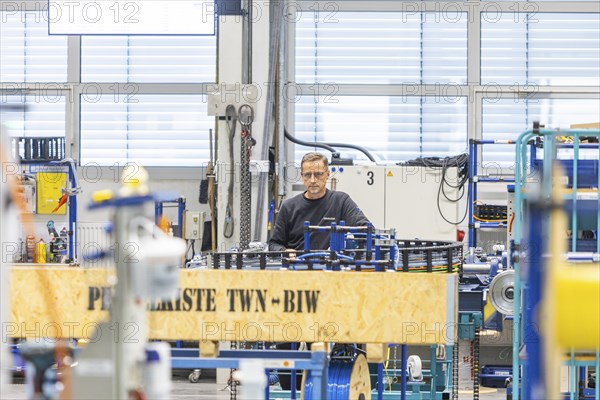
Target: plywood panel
(68,291)
(256,305)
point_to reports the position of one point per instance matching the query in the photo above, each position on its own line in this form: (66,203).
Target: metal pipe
(404,373)
(433,368)
(293,377)
(281,116)
(572,376)
(574,200)
(520,168)
(276,13)
(380,381)
(533,376)
(476,268)
(247,43)
(471,195)
(72,205)
(597,390)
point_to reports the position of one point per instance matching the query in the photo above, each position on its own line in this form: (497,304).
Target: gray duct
(276,9)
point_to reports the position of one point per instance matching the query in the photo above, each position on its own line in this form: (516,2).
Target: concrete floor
(206,389)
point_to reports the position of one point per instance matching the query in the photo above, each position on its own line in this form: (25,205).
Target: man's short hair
(314,156)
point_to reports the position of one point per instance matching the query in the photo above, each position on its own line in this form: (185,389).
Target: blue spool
(339,380)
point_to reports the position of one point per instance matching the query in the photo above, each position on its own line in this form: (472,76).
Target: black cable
(308,144)
(461,162)
(355,147)
(187,250)
(329,146)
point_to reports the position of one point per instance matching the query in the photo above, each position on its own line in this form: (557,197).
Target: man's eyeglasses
(317,175)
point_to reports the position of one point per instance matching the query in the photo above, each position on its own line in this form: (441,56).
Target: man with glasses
(317,204)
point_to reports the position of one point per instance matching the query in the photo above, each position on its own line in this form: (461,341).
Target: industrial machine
(418,201)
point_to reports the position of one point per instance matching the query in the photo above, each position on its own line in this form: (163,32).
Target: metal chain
(455,371)
(232,382)
(476,364)
(395,358)
(245,191)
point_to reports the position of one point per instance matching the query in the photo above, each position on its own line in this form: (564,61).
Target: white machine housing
(403,197)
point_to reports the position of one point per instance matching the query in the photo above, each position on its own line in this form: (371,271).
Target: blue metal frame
(473,181)
(71,205)
(533,377)
(72,216)
(159,209)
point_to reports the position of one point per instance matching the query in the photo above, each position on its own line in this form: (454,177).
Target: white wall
(181,186)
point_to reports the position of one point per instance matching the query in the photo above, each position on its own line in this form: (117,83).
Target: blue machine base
(394,395)
(587,394)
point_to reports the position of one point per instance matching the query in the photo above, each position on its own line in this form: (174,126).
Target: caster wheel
(194,376)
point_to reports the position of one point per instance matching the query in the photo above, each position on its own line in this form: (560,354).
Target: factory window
(381,48)
(116,72)
(28,53)
(507,118)
(392,128)
(148,59)
(124,125)
(153,130)
(540,49)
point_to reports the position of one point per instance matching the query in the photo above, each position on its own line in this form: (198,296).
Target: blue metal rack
(531,288)
(180,204)
(585,178)
(71,202)
(474,179)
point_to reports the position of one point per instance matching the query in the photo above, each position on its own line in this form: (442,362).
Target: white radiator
(92,238)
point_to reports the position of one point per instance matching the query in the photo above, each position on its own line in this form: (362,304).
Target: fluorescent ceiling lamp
(131,17)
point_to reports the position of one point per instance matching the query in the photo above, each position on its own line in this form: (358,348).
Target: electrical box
(415,205)
(407,198)
(194,224)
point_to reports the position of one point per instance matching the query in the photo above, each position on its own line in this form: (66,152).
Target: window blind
(148,59)
(381,48)
(155,130)
(392,128)
(540,48)
(376,48)
(28,53)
